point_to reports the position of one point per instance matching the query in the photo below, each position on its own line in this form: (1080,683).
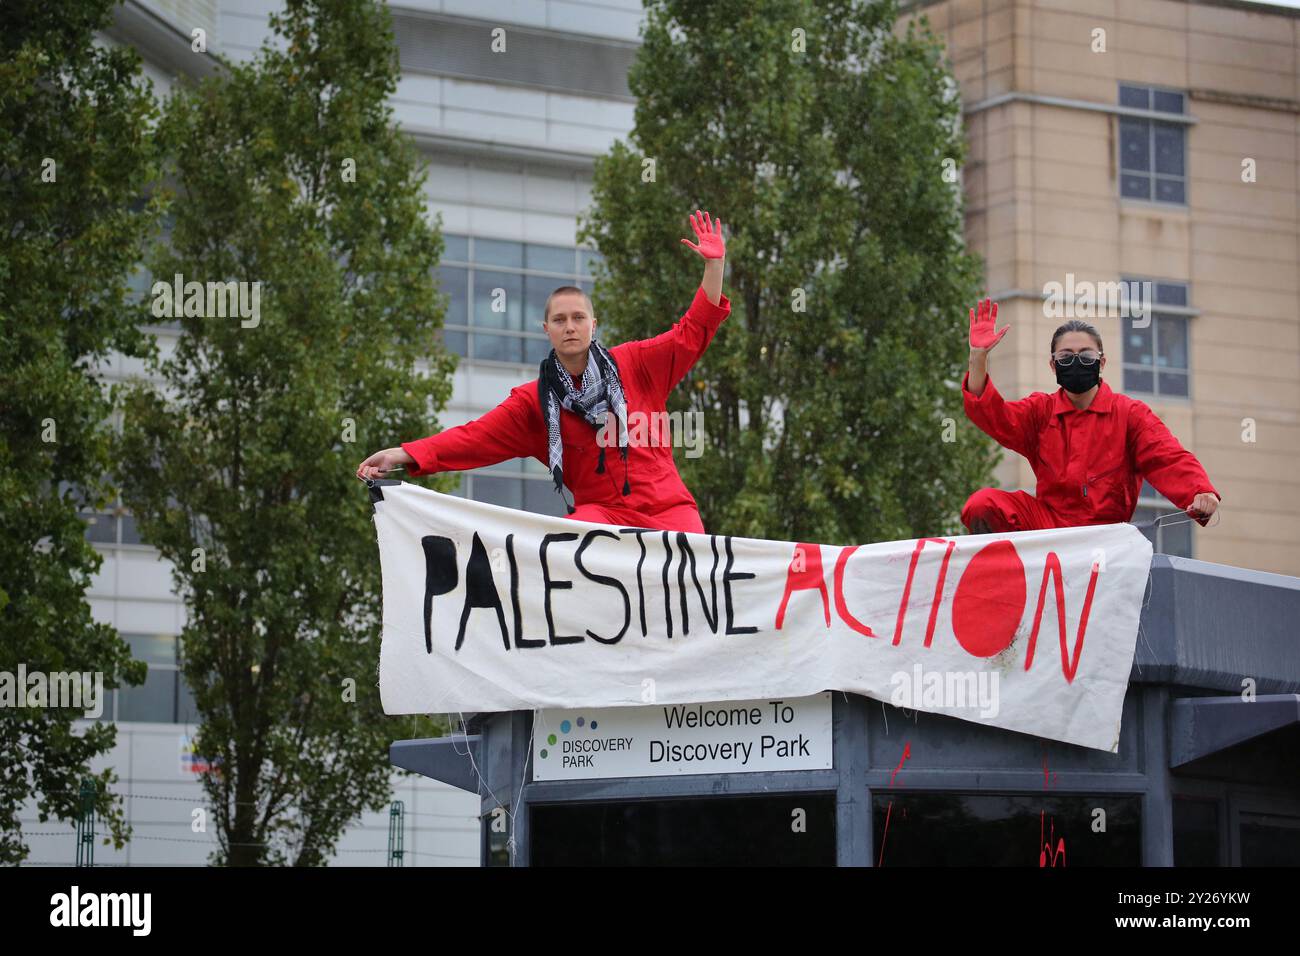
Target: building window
(112,527)
(1152,154)
(140,282)
(497,292)
(1155,343)
(164,697)
(1173,532)
(523,484)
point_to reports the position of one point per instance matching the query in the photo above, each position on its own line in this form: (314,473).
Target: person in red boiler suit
(1090,447)
(577,409)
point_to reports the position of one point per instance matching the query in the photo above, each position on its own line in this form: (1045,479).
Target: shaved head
(565,290)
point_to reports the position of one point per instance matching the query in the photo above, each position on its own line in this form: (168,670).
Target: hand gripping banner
(491,609)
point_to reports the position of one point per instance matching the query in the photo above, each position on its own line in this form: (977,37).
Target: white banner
(491,609)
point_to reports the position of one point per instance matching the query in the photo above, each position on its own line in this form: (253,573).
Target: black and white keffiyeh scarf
(600,394)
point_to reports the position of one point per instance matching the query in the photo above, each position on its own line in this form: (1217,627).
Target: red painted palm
(709,233)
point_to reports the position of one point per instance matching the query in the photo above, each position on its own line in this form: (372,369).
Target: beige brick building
(1150,140)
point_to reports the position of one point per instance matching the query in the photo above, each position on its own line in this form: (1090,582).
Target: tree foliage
(76,153)
(818,132)
(239,458)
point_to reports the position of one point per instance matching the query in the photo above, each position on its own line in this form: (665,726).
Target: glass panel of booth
(1264,828)
(787,829)
(1006,829)
(1222,823)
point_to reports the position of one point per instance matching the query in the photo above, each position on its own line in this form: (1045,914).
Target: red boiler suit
(649,369)
(1089,464)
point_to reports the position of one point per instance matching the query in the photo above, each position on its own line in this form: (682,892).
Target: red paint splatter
(1045,845)
(885,835)
(1048,776)
(907,753)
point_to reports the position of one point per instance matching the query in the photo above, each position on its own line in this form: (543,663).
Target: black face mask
(1077,377)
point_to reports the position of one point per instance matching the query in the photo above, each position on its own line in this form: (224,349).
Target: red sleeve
(511,430)
(1160,457)
(1013,425)
(665,359)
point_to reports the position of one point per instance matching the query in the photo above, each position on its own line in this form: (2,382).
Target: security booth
(1205,774)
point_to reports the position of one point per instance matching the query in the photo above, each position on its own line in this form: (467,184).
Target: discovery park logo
(577,750)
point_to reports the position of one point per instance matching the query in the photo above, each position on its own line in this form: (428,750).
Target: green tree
(820,134)
(75,157)
(240,462)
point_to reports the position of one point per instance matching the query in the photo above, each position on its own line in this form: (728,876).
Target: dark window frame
(112,706)
(1162,307)
(1151,127)
(581,275)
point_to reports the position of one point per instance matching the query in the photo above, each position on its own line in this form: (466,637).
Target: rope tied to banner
(1175,518)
